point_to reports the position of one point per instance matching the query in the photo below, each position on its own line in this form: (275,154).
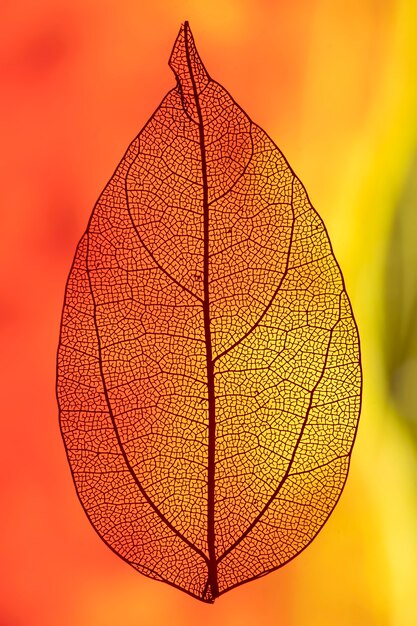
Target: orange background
(333,83)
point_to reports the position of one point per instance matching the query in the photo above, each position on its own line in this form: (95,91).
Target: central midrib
(211,539)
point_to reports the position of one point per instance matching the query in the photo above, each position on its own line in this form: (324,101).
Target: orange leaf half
(209,376)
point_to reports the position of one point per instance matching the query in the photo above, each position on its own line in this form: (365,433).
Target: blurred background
(333,82)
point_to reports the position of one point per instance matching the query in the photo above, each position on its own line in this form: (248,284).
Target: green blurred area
(400,336)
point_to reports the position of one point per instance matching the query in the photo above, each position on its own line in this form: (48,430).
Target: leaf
(209,375)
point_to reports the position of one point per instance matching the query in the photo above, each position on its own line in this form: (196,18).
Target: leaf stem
(212,589)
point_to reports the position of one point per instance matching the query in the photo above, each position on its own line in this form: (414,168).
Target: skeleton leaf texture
(209,376)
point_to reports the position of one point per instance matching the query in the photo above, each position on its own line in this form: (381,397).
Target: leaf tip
(187,65)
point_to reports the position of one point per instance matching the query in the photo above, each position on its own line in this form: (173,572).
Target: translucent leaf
(209,374)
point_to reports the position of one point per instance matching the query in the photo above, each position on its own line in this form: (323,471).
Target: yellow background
(334,84)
